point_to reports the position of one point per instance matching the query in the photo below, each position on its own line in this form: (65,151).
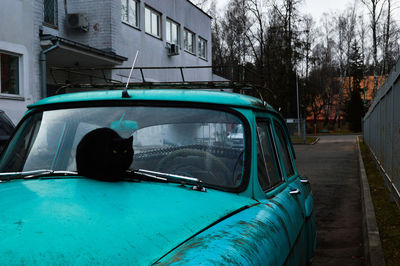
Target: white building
(41,40)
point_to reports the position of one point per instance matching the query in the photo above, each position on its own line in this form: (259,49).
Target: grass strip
(387,212)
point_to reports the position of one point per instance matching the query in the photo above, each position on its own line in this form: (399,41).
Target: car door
(275,169)
(300,190)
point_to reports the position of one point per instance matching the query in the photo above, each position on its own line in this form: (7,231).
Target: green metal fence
(381,131)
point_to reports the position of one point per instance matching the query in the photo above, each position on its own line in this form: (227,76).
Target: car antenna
(125,91)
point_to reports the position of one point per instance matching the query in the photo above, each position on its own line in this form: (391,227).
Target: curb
(372,243)
(300,143)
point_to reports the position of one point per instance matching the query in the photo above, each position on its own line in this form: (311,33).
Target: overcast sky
(317,7)
(314,7)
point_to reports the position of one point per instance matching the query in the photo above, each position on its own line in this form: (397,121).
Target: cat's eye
(114,151)
(125,151)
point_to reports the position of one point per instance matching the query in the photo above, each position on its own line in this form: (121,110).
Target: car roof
(167,95)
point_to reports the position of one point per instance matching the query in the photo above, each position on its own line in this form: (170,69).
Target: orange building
(334,107)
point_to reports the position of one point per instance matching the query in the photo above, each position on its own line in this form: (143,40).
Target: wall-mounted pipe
(66,7)
(42,61)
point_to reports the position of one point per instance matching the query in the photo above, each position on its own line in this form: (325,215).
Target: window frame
(202,40)
(271,132)
(152,12)
(185,44)
(137,13)
(19,72)
(54,23)
(178,28)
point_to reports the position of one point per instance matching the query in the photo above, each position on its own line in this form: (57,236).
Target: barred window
(9,74)
(51,12)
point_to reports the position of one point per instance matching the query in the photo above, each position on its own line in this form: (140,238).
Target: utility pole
(298,106)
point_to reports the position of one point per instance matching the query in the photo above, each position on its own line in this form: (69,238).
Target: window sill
(11,97)
(189,52)
(152,35)
(203,58)
(50,25)
(130,25)
(167,43)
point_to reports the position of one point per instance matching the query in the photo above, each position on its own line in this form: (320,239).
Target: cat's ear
(130,139)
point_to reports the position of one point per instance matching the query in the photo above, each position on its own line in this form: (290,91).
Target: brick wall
(99,14)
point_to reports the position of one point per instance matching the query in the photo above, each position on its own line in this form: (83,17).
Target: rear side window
(283,149)
(268,171)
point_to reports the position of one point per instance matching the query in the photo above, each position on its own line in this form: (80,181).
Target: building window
(130,12)
(172,32)
(9,74)
(51,12)
(189,41)
(202,48)
(152,22)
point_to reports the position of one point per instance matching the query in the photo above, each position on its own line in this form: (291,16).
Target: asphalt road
(331,165)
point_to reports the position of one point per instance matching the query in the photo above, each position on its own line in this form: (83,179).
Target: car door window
(283,149)
(268,171)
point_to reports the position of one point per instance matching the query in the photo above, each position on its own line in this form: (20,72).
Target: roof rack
(78,70)
(243,87)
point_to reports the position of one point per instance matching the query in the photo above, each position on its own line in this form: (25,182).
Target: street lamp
(298,106)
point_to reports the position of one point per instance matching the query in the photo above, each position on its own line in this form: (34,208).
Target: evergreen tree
(355,108)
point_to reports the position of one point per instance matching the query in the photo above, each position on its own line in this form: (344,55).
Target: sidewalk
(332,168)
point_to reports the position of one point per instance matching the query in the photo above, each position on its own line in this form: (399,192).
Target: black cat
(103,154)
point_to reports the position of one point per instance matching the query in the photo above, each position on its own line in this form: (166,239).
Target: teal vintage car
(188,197)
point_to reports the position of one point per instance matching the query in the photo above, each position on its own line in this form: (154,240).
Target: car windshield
(191,142)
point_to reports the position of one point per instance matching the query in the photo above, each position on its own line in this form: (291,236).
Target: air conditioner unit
(173,49)
(78,21)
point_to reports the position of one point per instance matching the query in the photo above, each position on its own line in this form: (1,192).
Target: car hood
(83,221)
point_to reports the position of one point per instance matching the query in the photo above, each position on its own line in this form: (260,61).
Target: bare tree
(341,27)
(256,32)
(309,33)
(375,8)
(386,38)
(230,45)
(390,37)
(206,5)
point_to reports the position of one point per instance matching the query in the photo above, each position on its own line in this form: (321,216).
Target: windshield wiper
(159,176)
(34,174)
(167,177)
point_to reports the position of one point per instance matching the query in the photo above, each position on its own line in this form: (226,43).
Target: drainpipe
(42,62)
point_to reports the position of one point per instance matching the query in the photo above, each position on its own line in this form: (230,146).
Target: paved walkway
(331,165)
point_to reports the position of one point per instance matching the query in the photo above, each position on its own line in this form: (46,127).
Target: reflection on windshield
(199,143)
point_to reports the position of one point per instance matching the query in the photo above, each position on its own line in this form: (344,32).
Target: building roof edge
(208,15)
